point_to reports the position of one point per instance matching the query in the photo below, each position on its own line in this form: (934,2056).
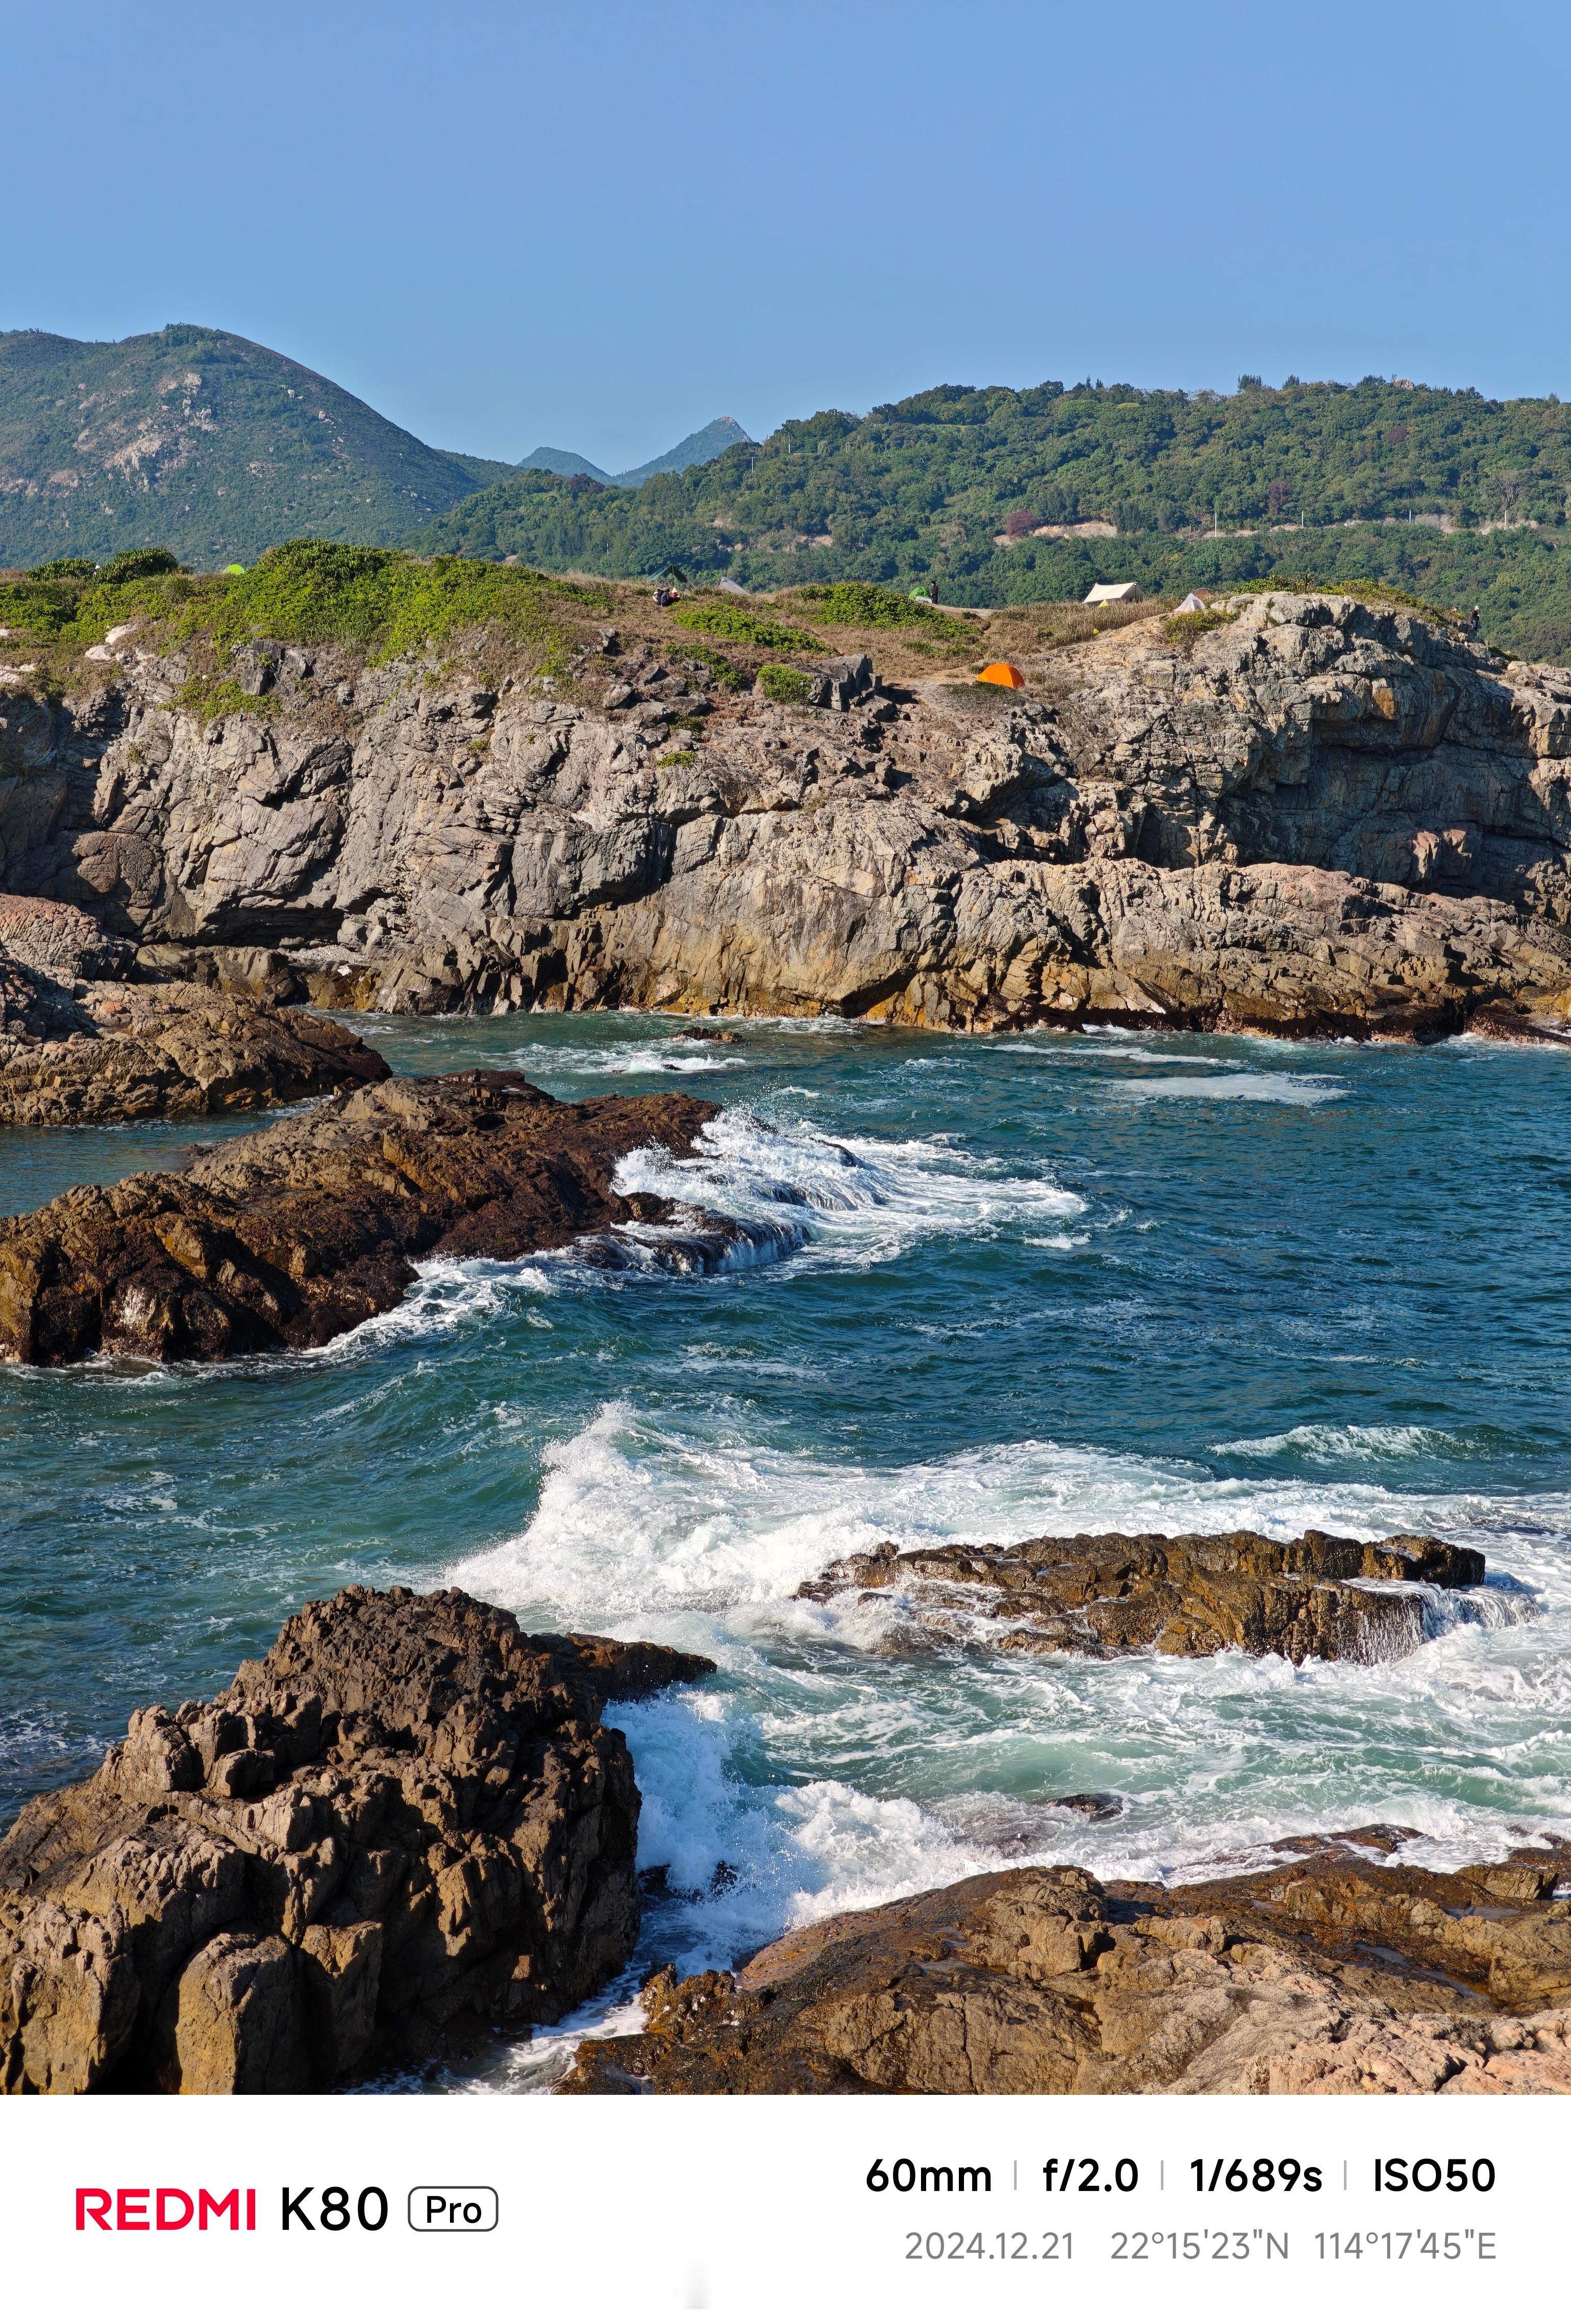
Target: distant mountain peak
(695,451)
(564,464)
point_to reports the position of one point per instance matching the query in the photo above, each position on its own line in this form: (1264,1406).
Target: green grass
(865,606)
(379,601)
(746,628)
(781,683)
(224,697)
(1186,629)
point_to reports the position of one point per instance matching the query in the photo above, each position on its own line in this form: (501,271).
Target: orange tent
(1000,673)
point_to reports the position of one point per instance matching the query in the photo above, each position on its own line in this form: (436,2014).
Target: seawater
(993,1289)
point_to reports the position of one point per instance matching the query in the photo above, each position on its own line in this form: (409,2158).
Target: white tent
(1114,592)
(1194,604)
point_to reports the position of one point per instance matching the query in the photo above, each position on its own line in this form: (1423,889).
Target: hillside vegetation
(204,440)
(382,605)
(956,487)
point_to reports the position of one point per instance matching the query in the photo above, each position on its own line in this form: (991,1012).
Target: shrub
(781,683)
(1186,629)
(386,602)
(64,569)
(137,565)
(865,606)
(746,628)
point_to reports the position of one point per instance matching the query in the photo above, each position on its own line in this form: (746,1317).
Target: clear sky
(597,226)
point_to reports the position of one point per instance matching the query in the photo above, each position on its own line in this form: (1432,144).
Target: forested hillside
(977,491)
(203,441)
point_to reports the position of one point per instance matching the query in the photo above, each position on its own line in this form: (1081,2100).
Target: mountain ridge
(219,447)
(204,440)
(704,444)
(1000,496)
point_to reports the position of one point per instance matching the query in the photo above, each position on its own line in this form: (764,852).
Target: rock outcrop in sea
(292,1234)
(1318,816)
(1334,1971)
(406,1825)
(1113,1593)
(79,1044)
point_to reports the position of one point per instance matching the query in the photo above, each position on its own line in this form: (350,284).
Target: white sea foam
(546,1061)
(1322,1441)
(864,1200)
(1260,1089)
(822,1785)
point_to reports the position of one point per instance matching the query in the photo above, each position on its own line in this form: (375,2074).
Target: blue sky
(599,226)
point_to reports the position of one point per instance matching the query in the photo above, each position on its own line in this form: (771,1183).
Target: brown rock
(1328,1974)
(435,1833)
(1191,1594)
(76,1046)
(298,1231)
(129,1053)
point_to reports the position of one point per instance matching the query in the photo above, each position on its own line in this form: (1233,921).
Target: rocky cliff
(1311,816)
(405,1821)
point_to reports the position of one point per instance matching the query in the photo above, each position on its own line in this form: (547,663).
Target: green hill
(203,441)
(1441,491)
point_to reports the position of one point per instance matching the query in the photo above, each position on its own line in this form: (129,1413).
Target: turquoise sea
(995,1287)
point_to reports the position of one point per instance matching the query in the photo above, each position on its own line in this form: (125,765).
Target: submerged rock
(290,1236)
(1332,1972)
(1113,1593)
(405,1824)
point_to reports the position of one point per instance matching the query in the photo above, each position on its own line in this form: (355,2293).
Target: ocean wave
(819,1784)
(671,1054)
(1328,1441)
(1262,1089)
(863,1200)
(639,1518)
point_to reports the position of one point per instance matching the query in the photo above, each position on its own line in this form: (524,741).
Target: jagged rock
(60,942)
(1114,1593)
(298,1231)
(407,1821)
(1314,819)
(1332,1973)
(1319,817)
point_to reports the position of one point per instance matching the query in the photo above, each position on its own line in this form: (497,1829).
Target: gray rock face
(1317,817)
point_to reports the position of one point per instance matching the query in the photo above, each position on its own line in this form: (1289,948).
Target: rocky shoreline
(408,1831)
(292,1235)
(1316,816)
(81,1041)
(1334,1971)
